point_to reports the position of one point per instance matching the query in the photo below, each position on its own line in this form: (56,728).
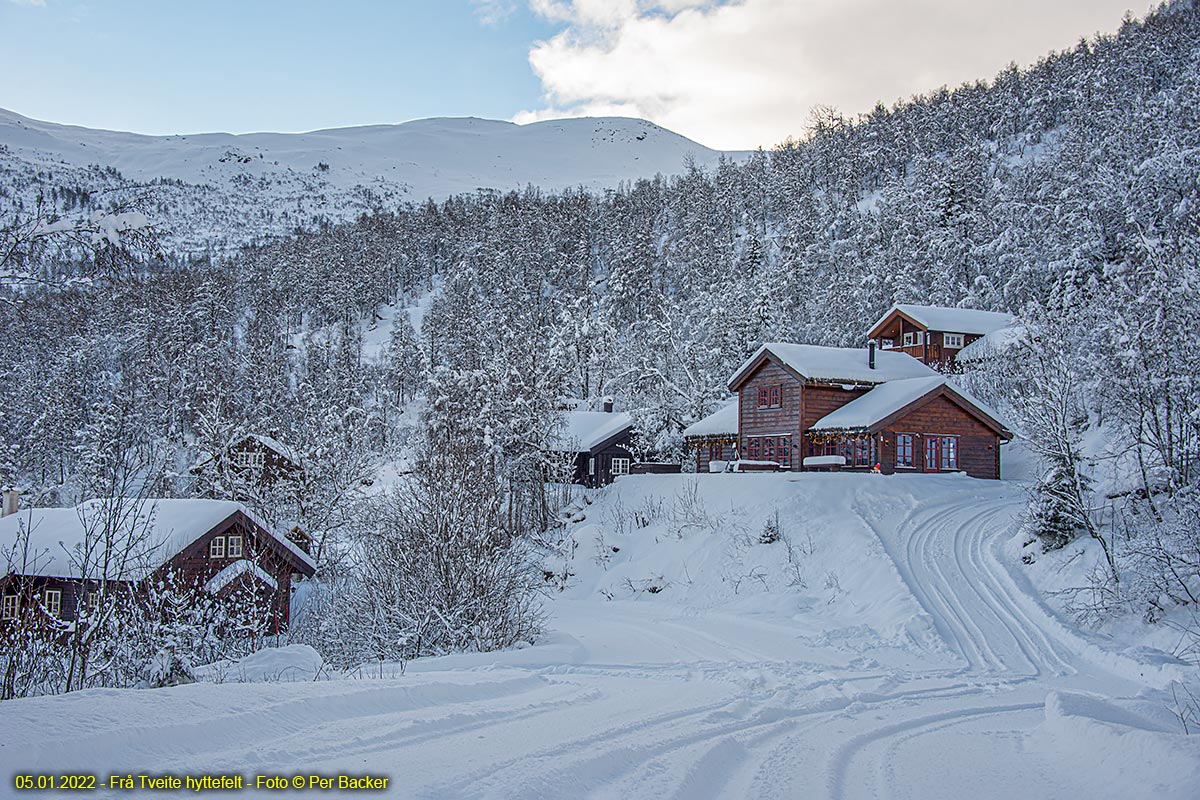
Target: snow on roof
(583,431)
(877,404)
(234,571)
(993,343)
(69,542)
(847,364)
(952,320)
(276,445)
(723,420)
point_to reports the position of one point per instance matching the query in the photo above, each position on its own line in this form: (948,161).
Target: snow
(898,652)
(950,320)
(277,446)
(234,571)
(340,173)
(878,404)
(293,662)
(61,540)
(838,364)
(583,431)
(824,461)
(723,420)
(993,343)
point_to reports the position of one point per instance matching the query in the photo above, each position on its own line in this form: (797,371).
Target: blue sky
(162,66)
(733,74)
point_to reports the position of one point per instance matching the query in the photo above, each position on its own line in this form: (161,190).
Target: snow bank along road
(914,661)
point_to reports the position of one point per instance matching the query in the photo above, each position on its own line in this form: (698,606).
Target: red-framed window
(904,450)
(931,452)
(948,455)
(770,396)
(770,448)
(856,451)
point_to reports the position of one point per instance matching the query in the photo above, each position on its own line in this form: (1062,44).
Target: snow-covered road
(635,698)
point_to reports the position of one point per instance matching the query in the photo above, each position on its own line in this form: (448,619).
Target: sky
(731,74)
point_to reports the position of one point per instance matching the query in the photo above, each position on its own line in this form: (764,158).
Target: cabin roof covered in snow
(275,445)
(951,320)
(994,343)
(878,404)
(584,431)
(884,401)
(145,535)
(833,364)
(723,420)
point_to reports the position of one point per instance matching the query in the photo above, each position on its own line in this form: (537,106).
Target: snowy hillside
(242,186)
(883,646)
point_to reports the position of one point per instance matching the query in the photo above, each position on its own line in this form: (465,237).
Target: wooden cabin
(807,407)
(598,444)
(934,335)
(714,438)
(214,546)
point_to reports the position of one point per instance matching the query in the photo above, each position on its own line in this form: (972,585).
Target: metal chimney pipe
(608,405)
(871,354)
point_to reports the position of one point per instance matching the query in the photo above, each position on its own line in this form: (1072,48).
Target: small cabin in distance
(598,444)
(714,438)
(934,335)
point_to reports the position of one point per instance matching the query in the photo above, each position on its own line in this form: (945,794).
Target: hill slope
(242,186)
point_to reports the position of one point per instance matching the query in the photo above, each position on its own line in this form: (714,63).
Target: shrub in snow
(442,572)
(771,532)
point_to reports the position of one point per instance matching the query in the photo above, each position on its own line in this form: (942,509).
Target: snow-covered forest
(1067,193)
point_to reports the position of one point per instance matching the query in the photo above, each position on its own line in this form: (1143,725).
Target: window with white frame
(591,466)
(908,339)
(216,548)
(52,600)
(952,340)
(250,459)
(12,605)
(233,548)
(620,466)
(920,337)
(886,344)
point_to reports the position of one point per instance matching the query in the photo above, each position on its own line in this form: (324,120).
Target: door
(932,453)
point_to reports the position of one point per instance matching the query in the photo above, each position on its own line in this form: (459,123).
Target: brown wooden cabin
(934,335)
(808,407)
(214,546)
(598,444)
(714,438)
(258,460)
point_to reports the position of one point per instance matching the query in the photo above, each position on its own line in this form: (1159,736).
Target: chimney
(871,354)
(608,405)
(11,500)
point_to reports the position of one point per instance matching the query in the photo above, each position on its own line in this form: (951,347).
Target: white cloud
(493,12)
(748,72)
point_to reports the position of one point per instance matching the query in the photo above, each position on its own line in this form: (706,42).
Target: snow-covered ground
(886,645)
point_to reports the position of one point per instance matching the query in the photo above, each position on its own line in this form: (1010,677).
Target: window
(92,603)
(620,466)
(931,452)
(904,450)
(783,451)
(53,602)
(949,454)
(920,337)
(856,451)
(12,603)
(952,340)
(770,448)
(908,339)
(249,459)
(887,344)
(216,548)
(770,396)
(591,466)
(716,451)
(234,547)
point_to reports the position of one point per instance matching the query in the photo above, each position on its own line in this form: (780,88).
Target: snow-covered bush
(440,572)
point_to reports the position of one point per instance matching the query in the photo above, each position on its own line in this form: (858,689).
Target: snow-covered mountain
(228,188)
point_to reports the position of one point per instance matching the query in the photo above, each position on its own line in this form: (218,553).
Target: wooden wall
(783,421)
(978,446)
